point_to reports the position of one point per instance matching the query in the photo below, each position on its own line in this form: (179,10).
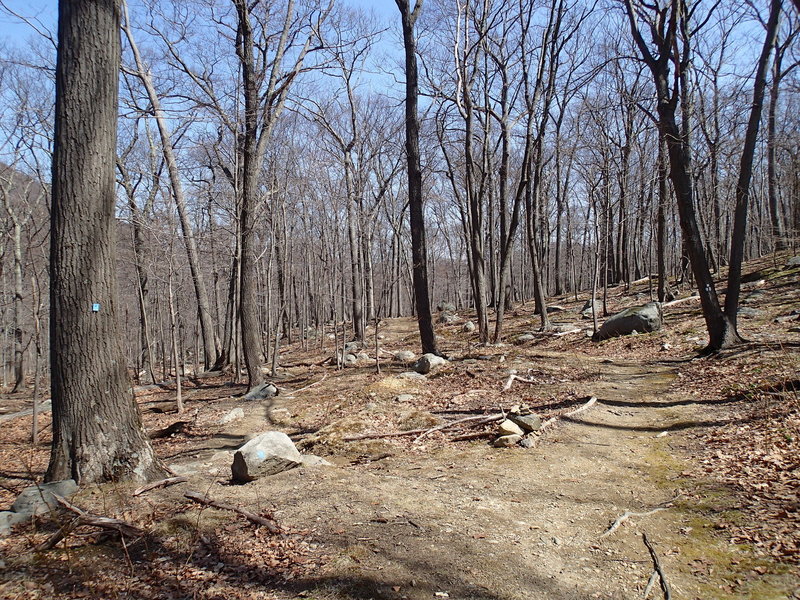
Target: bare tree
(419,253)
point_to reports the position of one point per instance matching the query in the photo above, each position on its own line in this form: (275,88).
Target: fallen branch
(649,587)
(479,420)
(657,567)
(85,518)
(159,484)
(679,301)
(627,515)
(514,377)
(324,377)
(560,333)
(252,517)
(553,420)
(475,435)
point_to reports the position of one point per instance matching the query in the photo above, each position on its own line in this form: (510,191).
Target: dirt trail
(473,521)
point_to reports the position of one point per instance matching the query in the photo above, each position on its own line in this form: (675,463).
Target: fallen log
(679,301)
(250,516)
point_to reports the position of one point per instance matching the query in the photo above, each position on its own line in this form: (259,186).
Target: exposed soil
(705,450)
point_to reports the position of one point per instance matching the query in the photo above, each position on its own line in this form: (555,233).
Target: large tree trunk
(97,431)
(248,309)
(418,250)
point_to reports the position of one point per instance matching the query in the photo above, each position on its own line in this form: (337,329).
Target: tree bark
(97,431)
(418,250)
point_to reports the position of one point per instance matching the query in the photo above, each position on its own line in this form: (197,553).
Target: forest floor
(699,455)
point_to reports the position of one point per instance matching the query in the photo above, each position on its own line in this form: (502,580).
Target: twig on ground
(252,517)
(657,567)
(159,484)
(627,515)
(649,587)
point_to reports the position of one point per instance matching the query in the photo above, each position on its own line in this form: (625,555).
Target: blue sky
(45,13)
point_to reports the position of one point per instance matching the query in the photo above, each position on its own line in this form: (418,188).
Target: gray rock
(348,360)
(526,422)
(748,313)
(353,347)
(793,262)
(525,337)
(405,356)
(362,356)
(429,362)
(468,327)
(38,499)
(508,427)
(526,442)
(564,327)
(9,518)
(262,392)
(310,460)
(641,319)
(446,307)
(266,454)
(413,376)
(506,441)
(234,415)
(447,318)
(404,397)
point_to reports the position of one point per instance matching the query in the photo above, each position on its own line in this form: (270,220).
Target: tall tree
(419,255)
(97,430)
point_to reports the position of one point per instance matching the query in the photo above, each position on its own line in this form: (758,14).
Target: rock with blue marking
(266,454)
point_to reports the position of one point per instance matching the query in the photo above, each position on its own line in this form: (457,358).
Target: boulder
(446,307)
(362,356)
(266,454)
(641,319)
(527,442)
(748,313)
(38,499)
(349,359)
(468,327)
(526,422)
(404,356)
(525,338)
(353,347)
(793,262)
(413,376)
(429,362)
(262,392)
(447,318)
(9,518)
(506,441)
(234,415)
(404,397)
(509,427)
